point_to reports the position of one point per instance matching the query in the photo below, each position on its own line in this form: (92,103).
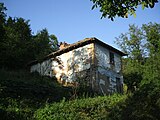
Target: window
(119,85)
(111,58)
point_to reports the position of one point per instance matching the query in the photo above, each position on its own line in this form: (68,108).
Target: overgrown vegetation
(144,104)
(21,93)
(142,64)
(83,109)
(142,71)
(26,96)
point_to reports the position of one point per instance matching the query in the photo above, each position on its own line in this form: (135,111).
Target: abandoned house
(90,62)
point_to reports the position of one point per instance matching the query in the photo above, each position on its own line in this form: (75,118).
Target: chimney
(63,45)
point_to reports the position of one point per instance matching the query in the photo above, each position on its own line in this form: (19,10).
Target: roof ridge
(79,44)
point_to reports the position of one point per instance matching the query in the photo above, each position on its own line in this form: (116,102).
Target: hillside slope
(21,93)
(25,96)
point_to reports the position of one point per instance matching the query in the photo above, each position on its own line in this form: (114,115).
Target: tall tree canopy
(2,13)
(152,67)
(18,46)
(121,8)
(2,21)
(143,47)
(44,44)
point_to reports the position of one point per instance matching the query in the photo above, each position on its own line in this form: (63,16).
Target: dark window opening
(111,58)
(119,85)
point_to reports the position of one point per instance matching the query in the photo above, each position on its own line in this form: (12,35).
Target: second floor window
(111,55)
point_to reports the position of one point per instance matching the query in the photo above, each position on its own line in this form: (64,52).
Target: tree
(143,47)
(53,42)
(2,13)
(2,23)
(16,45)
(132,44)
(152,67)
(20,47)
(44,44)
(144,104)
(120,8)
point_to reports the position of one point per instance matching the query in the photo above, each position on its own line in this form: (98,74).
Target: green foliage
(141,72)
(144,104)
(89,108)
(132,81)
(133,43)
(143,48)
(27,96)
(113,8)
(44,44)
(152,67)
(2,21)
(2,13)
(22,93)
(18,46)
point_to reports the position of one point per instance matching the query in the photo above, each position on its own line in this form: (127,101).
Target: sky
(73,20)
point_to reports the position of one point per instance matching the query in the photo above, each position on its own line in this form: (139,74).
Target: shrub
(21,93)
(89,108)
(144,104)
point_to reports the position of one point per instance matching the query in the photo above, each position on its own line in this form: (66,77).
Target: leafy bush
(89,108)
(144,104)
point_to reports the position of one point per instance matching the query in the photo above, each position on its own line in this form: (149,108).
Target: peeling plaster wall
(44,68)
(107,73)
(69,66)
